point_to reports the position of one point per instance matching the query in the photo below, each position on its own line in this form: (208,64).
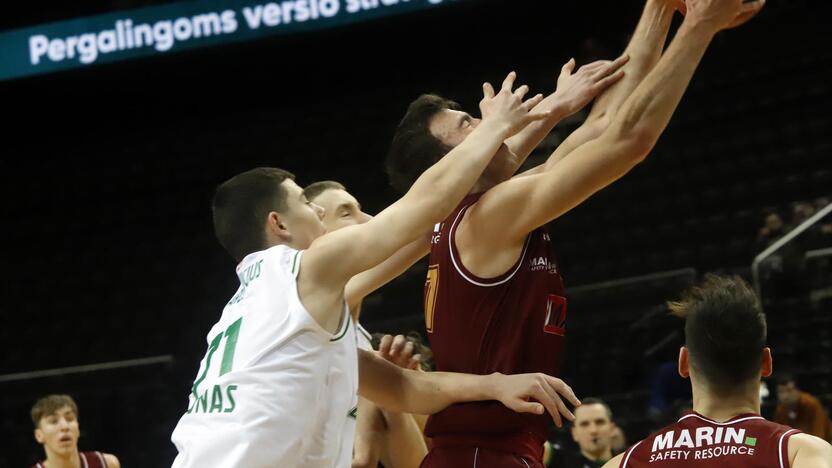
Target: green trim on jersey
(365,333)
(346,327)
(295,263)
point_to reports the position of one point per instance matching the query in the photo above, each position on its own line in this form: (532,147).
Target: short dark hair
(597,401)
(414,148)
(49,404)
(240,207)
(314,189)
(725,330)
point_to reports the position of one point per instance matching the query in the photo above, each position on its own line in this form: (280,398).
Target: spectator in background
(799,409)
(773,229)
(592,430)
(784,271)
(618,440)
(56,428)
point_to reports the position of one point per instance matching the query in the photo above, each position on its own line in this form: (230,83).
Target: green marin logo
(751,441)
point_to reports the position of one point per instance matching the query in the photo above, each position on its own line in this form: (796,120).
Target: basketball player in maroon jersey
(725,356)
(494,298)
(56,428)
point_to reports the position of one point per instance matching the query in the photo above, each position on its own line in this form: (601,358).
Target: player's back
(745,441)
(274,388)
(513,323)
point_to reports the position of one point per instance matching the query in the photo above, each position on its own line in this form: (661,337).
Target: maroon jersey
(514,323)
(88,460)
(745,441)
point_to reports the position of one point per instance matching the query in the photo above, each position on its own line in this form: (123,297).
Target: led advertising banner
(148,31)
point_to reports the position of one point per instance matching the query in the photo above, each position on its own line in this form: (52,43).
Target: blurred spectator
(618,440)
(799,409)
(782,272)
(773,228)
(56,428)
(592,431)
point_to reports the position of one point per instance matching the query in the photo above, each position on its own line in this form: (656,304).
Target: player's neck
(602,455)
(722,406)
(70,460)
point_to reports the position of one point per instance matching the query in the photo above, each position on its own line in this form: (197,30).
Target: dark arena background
(113,276)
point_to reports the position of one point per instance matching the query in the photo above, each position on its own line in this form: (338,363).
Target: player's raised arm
(336,257)
(409,391)
(506,213)
(574,91)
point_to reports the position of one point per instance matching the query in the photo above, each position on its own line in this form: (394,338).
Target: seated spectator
(799,409)
(773,228)
(56,428)
(618,440)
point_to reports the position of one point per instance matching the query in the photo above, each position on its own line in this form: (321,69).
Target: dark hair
(784,379)
(597,401)
(241,205)
(414,148)
(725,330)
(316,188)
(49,404)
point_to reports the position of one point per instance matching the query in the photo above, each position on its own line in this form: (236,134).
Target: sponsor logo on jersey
(543,263)
(702,443)
(437,233)
(555,322)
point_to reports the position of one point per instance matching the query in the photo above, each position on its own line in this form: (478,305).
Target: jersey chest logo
(555,322)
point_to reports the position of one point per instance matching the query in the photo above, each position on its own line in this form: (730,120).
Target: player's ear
(684,364)
(767,366)
(39,435)
(276,225)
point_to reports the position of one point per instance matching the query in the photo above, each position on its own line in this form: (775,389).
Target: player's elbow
(633,143)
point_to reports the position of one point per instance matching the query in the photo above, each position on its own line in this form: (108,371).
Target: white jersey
(274,389)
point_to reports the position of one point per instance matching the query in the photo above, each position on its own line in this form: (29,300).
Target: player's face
(451,127)
(340,209)
(59,432)
(592,428)
(788,394)
(302,218)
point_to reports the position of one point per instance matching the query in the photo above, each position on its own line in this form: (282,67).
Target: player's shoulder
(279,256)
(809,445)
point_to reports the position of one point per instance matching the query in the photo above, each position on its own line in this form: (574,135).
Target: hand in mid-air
(576,90)
(507,107)
(723,14)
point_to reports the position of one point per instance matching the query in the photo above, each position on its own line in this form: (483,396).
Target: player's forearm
(431,392)
(365,283)
(527,140)
(644,50)
(440,188)
(646,113)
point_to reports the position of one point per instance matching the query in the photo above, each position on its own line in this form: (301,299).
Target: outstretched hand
(723,14)
(576,90)
(508,108)
(518,391)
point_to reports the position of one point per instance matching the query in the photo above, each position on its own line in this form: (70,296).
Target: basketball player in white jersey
(280,377)
(394,439)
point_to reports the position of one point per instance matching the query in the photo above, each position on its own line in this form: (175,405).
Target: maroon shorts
(463,456)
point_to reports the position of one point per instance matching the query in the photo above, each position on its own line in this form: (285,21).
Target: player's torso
(511,324)
(87,460)
(746,441)
(270,369)
(498,324)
